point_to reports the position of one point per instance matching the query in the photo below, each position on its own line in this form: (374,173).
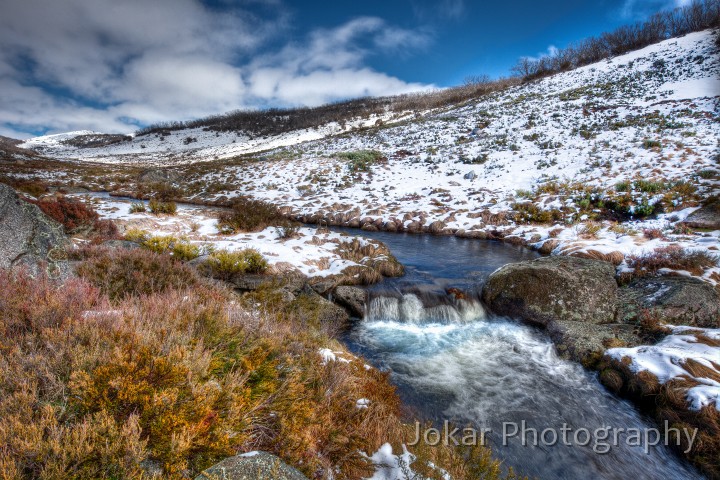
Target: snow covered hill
(542,163)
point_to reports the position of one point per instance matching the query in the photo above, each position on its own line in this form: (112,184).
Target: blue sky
(112,66)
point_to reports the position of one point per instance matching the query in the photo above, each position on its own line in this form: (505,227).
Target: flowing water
(453,361)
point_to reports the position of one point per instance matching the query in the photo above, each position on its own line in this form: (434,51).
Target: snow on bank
(311,252)
(666,361)
(389,466)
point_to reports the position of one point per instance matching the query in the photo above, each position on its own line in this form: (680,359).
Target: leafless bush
(699,15)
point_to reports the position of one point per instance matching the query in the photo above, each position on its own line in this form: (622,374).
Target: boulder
(672,300)
(121,244)
(436,227)
(353,299)
(158,175)
(554,289)
(28,237)
(586,343)
(548,246)
(706,217)
(251,466)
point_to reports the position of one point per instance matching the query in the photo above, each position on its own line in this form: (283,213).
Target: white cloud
(638,9)
(105,65)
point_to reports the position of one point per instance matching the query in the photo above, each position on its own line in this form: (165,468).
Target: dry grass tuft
(672,257)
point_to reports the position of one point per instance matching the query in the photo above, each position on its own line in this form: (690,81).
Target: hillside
(554,163)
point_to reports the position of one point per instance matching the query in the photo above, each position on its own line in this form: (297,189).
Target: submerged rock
(672,300)
(28,237)
(554,289)
(251,466)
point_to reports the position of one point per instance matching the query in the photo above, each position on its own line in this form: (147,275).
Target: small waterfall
(409,308)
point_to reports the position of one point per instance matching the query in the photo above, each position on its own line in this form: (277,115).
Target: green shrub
(136,235)
(361,160)
(248,215)
(158,207)
(650,144)
(180,248)
(137,207)
(225,264)
(648,186)
(288,232)
(623,186)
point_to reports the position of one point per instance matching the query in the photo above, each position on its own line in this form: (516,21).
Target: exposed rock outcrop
(28,237)
(353,299)
(706,217)
(586,343)
(251,466)
(158,175)
(672,300)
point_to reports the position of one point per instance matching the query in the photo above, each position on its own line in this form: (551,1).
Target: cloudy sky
(114,65)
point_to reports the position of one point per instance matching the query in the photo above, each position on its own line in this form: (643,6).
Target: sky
(115,65)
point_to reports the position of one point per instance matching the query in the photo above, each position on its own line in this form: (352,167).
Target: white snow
(311,252)
(523,138)
(389,466)
(665,360)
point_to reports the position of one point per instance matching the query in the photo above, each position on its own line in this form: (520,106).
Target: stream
(453,361)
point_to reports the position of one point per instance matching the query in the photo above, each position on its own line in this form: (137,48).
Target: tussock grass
(224,264)
(671,257)
(668,402)
(248,215)
(375,262)
(159,207)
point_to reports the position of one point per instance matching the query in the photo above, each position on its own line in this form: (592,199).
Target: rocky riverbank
(655,340)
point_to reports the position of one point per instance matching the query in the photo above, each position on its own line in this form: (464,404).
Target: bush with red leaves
(73,215)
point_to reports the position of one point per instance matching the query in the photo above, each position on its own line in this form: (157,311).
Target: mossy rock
(554,289)
(251,466)
(28,237)
(672,300)
(586,343)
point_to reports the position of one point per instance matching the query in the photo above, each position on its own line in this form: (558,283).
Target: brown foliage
(182,379)
(671,257)
(123,273)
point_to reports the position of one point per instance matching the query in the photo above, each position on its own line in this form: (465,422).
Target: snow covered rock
(707,217)
(554,288)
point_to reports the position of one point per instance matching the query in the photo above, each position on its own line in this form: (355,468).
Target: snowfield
(532,163)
